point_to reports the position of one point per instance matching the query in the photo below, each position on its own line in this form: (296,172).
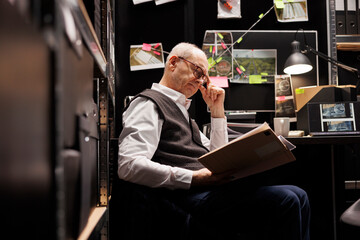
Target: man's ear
(172,62)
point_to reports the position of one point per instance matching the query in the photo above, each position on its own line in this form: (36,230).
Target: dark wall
(143,23)
(187,20)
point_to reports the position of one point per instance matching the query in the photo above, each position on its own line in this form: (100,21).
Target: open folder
(256,151)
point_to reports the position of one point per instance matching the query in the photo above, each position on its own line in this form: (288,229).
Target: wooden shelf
(95,222)
(349,46)
(348,42)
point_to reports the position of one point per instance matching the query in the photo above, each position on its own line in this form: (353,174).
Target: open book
(256,151)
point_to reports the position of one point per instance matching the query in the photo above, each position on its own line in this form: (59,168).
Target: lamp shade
(297,63)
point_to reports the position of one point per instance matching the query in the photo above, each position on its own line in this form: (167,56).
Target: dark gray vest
(180,142)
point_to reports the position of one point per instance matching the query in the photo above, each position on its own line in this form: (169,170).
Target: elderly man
(158,151)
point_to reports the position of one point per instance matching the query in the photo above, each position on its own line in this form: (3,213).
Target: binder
(351,16)
(340,17)
(358,15)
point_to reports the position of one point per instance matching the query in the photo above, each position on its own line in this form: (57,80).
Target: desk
(318,151)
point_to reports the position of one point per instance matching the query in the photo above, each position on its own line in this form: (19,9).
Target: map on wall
(255,65)
(250,66)
(216,47)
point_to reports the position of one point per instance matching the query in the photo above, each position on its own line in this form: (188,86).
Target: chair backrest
(127,100)
(351,215)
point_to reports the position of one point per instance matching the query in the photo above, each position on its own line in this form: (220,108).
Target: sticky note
(279,4)
(220,35)
(219,59)
(220,81)
(242,68)
(256,79)
(223,45)
(239,40)
(146,47)
(290,1)
(264,74)
(261,15)
(280,98)
(157,53)
(213,50)
(210,49)
(157,45)
(299,91)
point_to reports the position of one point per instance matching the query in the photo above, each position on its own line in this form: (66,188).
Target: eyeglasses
(198,72)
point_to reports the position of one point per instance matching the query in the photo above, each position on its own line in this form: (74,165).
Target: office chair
(351,215)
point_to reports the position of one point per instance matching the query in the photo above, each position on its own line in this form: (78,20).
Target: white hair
(185,50)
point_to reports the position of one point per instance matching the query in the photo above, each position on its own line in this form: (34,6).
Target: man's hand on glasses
(214,98)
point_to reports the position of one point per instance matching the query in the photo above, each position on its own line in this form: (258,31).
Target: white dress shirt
(140,136)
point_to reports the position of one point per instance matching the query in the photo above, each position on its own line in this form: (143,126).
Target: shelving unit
(96,223)
(344,45)
(339,42)
(97,213)
(58,74)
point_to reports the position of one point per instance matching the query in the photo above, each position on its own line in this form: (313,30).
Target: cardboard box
(304,94)
(326,93)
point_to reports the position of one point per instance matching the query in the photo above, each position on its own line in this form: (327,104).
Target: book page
(260,128)
(256,151)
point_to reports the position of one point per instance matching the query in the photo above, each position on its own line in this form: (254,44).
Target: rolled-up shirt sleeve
(138,142)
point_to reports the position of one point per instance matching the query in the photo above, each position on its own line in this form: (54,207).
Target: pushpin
(226,4)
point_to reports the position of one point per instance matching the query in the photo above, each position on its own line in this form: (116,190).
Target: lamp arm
(333,61)
(339,64)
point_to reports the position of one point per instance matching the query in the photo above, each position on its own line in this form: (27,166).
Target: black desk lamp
(298,63)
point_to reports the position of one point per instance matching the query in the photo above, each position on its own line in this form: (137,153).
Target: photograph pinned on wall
(284,99)
(146,56)
(283,86)
(254,66)
(229,9)
(218,50)
(141,1)
(159,2)
(291,11)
